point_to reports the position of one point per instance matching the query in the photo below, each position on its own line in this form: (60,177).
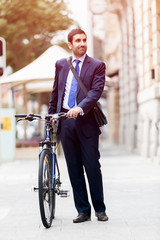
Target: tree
(29,26)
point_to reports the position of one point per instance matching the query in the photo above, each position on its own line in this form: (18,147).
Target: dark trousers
(81,152)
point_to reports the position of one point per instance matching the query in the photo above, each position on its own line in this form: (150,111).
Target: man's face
(78,45)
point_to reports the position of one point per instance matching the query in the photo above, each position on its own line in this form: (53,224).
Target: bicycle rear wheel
(46,188)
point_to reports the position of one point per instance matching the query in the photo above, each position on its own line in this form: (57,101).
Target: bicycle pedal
(64,193)
(35,189)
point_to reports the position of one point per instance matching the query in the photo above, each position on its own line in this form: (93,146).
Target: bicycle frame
(51,145)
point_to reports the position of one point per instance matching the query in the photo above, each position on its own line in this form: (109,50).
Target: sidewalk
(132,196)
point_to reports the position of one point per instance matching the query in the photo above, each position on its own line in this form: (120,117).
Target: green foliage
(28,27)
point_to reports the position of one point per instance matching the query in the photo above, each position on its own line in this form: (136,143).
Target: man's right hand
(74,112)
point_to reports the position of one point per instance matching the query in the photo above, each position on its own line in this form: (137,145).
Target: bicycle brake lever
(63,116)
(20,119)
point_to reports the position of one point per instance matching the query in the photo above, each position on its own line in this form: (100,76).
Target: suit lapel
(84,69)
(64,78)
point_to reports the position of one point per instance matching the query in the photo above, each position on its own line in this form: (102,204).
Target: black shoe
(82,217)
(101,216)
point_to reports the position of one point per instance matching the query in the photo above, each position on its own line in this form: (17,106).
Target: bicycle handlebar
(32,116)
(26,115)
(20,115)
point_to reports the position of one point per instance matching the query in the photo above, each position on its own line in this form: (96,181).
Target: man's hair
(74,32)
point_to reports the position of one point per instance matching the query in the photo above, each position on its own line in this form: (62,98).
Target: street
(132,197)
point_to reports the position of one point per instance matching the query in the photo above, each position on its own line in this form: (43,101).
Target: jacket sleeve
(54,94)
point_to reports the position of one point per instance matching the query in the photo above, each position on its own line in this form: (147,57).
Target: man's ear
(70,45)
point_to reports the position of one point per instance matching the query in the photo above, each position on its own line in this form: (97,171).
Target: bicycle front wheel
(46,191)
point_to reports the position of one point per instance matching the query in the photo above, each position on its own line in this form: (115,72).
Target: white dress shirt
(69,81)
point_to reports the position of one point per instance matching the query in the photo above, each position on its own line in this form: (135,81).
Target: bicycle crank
(64,193)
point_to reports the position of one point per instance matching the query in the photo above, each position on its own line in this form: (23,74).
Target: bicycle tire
(54,183)
(46,189)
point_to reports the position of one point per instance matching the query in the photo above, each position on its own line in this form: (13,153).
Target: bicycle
(49,173)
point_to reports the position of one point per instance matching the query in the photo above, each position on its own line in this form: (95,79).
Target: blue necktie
(73,89)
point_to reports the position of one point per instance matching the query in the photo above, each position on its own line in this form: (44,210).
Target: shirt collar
(81,58)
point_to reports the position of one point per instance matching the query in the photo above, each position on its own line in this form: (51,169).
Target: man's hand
(74,112)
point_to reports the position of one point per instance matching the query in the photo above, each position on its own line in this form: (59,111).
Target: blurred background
(125,34)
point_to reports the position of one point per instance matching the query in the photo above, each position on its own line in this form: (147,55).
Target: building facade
(134,95)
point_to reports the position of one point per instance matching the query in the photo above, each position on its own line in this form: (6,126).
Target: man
(80,134)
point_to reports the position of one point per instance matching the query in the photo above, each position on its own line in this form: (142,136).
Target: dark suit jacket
(93,76)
